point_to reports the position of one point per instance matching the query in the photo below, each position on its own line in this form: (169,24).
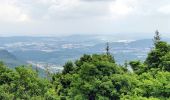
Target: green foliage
(137,67)
(68,67)
(154,58)
(97,77)
(165,64)
(23,83)
(93,77)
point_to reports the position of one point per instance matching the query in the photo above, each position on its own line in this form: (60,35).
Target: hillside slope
(9,59)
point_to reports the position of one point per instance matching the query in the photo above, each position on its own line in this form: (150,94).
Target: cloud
(83,16)
(122,8)
(88,9)
(67,9)
(11,13)
(24,10)
(164,9)
(74,9)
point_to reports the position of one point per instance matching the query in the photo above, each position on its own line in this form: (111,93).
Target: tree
(23,83)
(108,52)
(153,59)
(165,65)
(160,49)
(68,67)
(137,67)
(107,49)
(93,77)
(157,37)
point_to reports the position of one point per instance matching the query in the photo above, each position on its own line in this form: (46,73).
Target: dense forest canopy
(94,77)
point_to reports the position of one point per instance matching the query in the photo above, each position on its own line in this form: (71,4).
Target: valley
(55,51)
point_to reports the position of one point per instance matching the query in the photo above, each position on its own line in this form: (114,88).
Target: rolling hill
(9,59)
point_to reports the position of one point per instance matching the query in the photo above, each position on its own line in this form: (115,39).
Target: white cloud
(11,13)
(83,16)
(87,9)
(61,8)
(122,8)
(67,9)
(164,9)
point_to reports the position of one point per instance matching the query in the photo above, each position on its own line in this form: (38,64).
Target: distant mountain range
(55,51)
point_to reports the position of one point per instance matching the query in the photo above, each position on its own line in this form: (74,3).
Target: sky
(68,17)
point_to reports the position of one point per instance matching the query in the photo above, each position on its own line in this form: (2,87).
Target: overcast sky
(67,17)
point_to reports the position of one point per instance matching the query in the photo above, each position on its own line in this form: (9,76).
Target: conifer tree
(109,55)
(157,37)
(107,49)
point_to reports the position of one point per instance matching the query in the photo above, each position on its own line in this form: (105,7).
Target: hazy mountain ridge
(57,50)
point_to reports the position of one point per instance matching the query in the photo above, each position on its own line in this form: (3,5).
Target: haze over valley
(55,51)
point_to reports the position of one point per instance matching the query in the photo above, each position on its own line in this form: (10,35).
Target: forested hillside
(10,59)
(94,77)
